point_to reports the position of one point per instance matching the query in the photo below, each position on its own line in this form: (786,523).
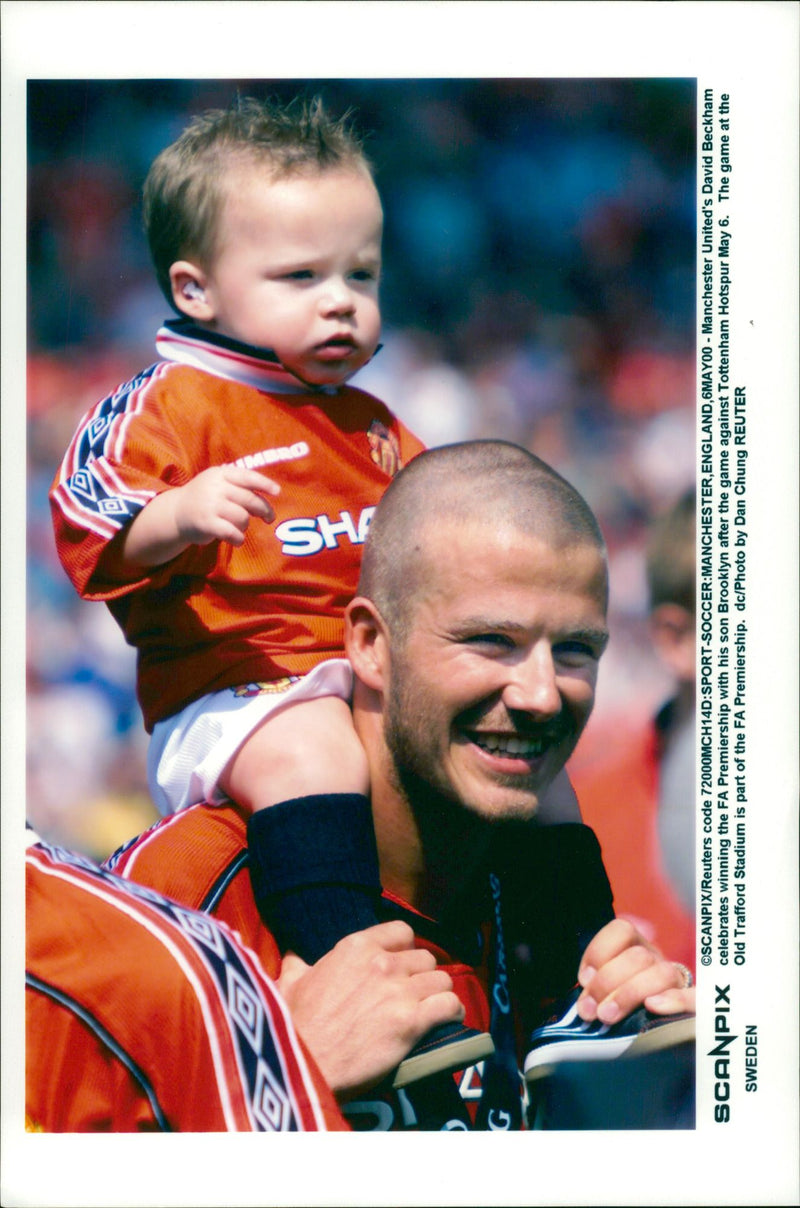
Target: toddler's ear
(189,291)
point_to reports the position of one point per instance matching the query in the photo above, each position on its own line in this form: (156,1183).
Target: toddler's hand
(218,503)
(215,505)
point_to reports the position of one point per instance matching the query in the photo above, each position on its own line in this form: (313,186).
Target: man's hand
(215,505)
(363,1006)
(620,971)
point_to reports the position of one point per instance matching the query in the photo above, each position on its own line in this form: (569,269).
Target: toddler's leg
(313,860)
(312,851)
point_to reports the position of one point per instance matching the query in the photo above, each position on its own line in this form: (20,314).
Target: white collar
(182,341)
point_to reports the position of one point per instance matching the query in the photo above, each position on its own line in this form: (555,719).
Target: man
(475,642)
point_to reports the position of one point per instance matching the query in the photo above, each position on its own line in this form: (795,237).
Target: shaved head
(489,482)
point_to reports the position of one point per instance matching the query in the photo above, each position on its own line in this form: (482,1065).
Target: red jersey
(218,616)
(142,1015)
(199,857)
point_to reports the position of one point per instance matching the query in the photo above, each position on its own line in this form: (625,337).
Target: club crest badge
(384,448)
(265,689)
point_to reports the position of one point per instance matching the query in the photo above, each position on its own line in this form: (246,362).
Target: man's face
(296,269)
(490,691)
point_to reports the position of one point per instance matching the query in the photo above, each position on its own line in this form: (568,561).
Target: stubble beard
(416,773)
(416,768)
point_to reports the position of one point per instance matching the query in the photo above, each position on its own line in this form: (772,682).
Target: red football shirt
(218,616)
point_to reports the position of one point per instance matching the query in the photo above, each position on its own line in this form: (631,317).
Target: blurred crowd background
(539,286)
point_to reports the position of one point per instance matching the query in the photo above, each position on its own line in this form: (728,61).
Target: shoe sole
(599,1048)
(455,1055)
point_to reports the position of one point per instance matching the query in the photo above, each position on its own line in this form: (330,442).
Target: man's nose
(532,685)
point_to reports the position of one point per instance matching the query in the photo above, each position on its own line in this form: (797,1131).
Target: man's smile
(510,744)
(516,750)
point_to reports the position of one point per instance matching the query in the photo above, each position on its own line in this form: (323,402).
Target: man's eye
(364,274)
(498,641)
(300,274)
(575,653)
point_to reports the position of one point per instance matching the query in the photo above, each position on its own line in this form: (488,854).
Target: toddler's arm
(215,505)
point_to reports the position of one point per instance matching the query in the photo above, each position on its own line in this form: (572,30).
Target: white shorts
(189,751)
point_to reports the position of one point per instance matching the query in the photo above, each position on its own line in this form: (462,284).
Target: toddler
(219,500)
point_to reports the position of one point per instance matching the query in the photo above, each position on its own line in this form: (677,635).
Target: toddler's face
(296,269)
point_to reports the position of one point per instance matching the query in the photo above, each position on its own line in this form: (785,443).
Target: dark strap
(500,1106)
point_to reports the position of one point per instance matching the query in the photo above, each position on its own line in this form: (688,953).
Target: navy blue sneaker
(567,1037)
(451,1046)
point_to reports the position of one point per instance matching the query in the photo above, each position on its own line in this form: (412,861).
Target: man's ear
(366,643)
(189,291)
